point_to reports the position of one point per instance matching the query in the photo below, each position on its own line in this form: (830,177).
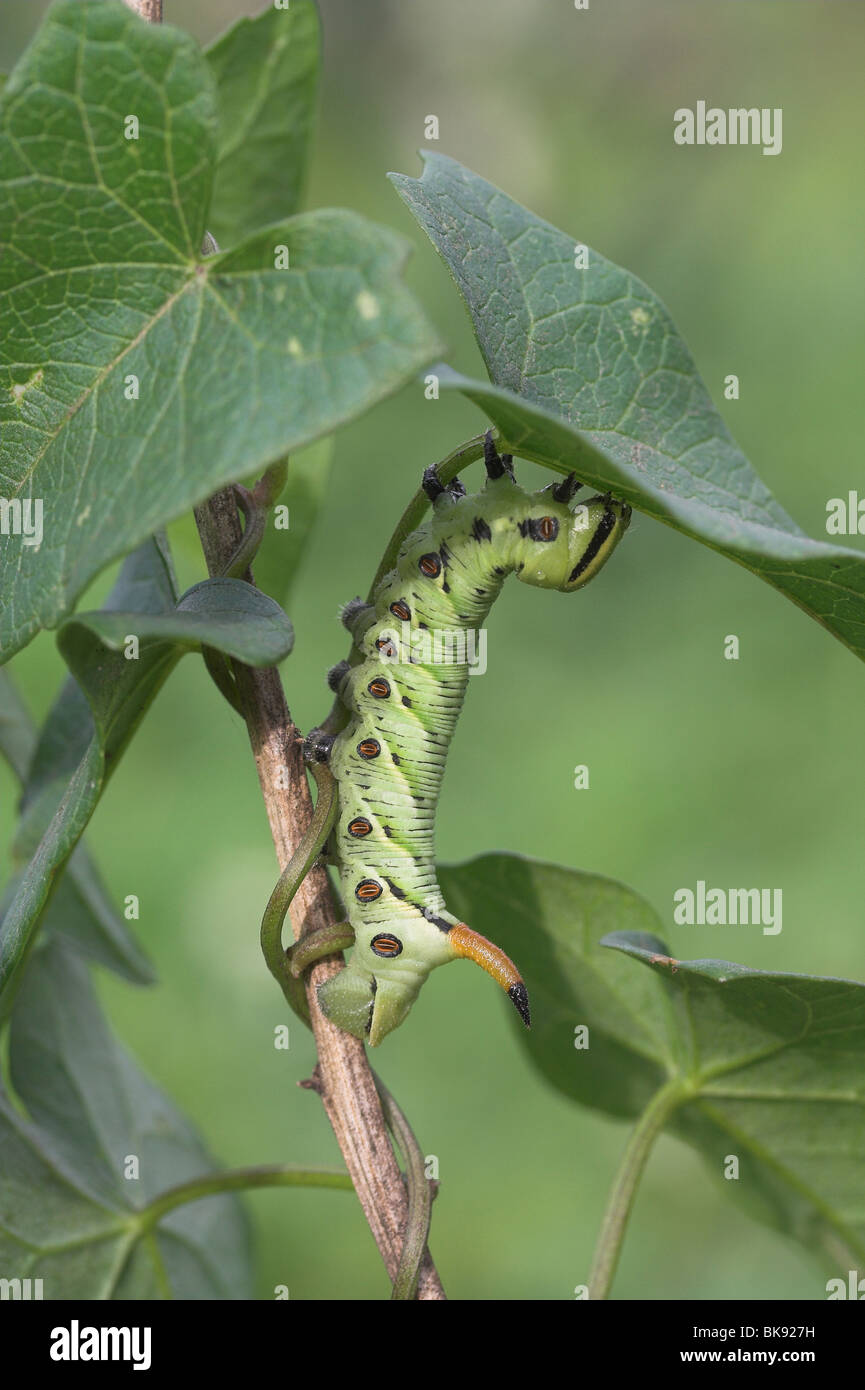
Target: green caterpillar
(389,760)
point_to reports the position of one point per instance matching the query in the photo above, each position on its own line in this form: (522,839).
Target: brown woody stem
(151,10)
(346,1085)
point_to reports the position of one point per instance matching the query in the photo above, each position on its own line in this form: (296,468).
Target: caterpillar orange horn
(493,960)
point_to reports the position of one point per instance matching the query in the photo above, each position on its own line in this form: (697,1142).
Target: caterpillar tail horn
(472,946)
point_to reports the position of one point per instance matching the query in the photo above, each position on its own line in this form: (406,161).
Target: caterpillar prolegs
(404,701)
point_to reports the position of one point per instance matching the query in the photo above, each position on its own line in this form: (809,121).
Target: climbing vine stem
(238,1180)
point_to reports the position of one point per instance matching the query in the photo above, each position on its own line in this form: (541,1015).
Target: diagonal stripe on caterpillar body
(404,703)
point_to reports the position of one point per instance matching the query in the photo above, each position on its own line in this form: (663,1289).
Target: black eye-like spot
(379,688)
(430,565)
(540,528)
(386,646)
(368,890)
(360,827)
(401,610)
(406,701)
(369,748)
(386,945)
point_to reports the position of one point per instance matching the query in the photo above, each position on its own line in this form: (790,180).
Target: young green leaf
(120,660)
(146,584)
(136,376)
(99,1142)
(589,373)
(17,734)
(771,1066)
(266,74)
(228,614)
(80,909)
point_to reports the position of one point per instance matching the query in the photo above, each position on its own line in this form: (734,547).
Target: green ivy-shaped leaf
(266,74)
(768,1067)
(70,1205)
(589,373)
(137,376)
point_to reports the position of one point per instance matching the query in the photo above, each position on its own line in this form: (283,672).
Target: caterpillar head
(562,547)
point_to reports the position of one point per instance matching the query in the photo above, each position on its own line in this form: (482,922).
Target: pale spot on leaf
(22,387)
(367,305)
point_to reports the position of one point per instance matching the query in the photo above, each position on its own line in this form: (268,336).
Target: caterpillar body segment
(417,639)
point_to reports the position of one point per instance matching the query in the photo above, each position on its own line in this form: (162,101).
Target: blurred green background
(740,773)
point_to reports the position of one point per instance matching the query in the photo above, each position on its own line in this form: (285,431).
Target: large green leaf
(237,361)
(82,913)
(771,1065)
(225,614)
(266,73)
(68,1192)
(589,373)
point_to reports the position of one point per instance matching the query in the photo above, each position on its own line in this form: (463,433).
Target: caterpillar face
(564,549)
